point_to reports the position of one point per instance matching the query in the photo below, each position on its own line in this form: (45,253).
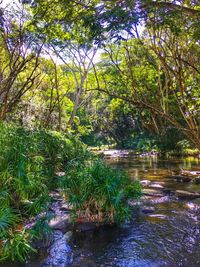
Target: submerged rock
(60,254)
(196,180)
(182,178)
(182,194)
(152,192)
(60,222)
(147,209)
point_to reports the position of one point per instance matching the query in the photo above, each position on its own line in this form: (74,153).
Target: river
(164,230)
(169,236)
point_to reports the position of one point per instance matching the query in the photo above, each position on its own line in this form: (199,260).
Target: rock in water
(153,193)
(182,194)
(154,185)
(147,209)
(145,182)
(182,178)
(60,254)
(60,222)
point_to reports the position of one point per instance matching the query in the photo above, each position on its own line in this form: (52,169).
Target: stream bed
(166,233)
(164,230)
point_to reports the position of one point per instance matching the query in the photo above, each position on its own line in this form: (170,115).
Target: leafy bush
(99,192)
(183,145)
(16,246)
(29,160)
(142,142)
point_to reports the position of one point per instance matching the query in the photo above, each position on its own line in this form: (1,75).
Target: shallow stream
(166,232)
(169,236)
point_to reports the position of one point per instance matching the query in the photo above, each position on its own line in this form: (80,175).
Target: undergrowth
(30,161)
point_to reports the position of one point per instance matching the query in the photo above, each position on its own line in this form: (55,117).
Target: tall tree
(19,58)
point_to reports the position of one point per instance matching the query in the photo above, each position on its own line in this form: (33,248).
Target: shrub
(99,192)
(16,246)
(29,160)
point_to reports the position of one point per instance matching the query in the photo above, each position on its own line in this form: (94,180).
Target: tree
(19,58)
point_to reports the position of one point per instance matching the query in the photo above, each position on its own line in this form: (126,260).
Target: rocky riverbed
(164,229)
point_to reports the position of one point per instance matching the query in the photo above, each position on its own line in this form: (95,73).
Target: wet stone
(147,209)
(182,194)
(60,222)
(66,207)
(145,182)
(60,253)
(154,185)
(153,192)
(159,216)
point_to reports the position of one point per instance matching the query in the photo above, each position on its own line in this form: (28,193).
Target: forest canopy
(108,71)
(84,75)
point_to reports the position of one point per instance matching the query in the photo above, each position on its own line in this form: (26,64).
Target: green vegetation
(98,73)
(30,161)
(92,69)
(98,192)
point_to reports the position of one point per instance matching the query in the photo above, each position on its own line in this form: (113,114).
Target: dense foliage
(123,73)
(98,192)
(30,163)
(108,71)
(29,160)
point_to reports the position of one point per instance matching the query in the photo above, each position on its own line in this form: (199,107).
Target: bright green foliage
(41,229)
(29,160)
(16,246)
(7,219)
(99,192)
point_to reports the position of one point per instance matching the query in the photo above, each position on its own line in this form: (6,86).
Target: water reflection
(170,236)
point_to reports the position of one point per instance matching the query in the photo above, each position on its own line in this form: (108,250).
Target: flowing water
(169,236)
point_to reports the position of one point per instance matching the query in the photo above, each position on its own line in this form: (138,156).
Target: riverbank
(36,163)
(114,152)
(171,199)
(164,229)
(168,210)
